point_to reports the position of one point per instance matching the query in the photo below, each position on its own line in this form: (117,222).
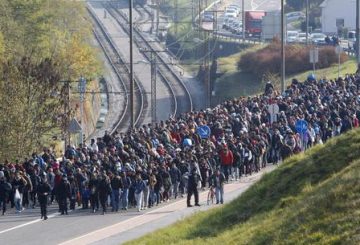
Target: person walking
(226,159)
(139,187)
(193,180)
(175,175)
(152,183)
(63,192)
(18,185)
(5,189)
(116,186)
(146,195)
(94,195)
(43,191)
(104,190)
(124,198)
(218,180)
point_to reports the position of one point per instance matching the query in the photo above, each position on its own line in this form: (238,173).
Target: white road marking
(28,223)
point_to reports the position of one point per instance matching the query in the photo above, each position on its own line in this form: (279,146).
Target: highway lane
(266,5)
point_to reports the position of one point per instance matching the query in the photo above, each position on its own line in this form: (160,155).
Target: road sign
(301,126)
(203,131)
(273,110)
(314,55)
(74,127)
(338,49)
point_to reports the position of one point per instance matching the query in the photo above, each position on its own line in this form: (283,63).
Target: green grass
(349,67)
(312,198)
(236,83)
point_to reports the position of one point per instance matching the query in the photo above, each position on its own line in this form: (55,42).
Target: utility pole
(192,13)
(153,88)
(152,18)
(207,66)
(157,16)
(307,22)
(282,47)
(66,114)
(243,19)
(82,90)
(357,31)
(176,17)
(131,75)
(199,19)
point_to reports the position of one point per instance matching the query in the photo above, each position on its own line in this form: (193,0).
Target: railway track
(182,97)
(121,70)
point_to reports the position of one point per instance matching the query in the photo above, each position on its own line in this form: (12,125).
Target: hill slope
(313,198)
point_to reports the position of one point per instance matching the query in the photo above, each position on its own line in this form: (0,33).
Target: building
(338,13)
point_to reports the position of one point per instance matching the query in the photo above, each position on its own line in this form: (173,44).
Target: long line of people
(172,158)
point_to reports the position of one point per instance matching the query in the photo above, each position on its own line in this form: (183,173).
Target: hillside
(312,198)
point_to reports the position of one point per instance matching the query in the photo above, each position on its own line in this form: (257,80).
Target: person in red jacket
(226,160)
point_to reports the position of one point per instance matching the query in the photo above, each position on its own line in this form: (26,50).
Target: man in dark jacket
(175,175)
(43,191)
(124,197)
(5,189)
(116,186)
(63,192)
(194,178)
(104,189)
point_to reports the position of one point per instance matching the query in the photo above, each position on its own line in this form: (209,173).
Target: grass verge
(312,198)
(236,83)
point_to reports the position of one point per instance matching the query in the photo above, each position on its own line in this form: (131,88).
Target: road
(266,5)
(81,227)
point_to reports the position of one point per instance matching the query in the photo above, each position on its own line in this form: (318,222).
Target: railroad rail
(121,70)
(182,97)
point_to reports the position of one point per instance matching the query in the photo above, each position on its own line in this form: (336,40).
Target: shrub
(268,59)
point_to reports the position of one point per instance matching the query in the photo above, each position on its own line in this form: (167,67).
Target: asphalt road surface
(83,227)
(266,5)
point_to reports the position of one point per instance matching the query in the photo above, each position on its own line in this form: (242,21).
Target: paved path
(161,217)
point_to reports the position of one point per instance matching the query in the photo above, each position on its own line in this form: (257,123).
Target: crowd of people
(167,160)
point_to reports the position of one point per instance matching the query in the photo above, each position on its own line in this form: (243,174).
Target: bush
(268,59)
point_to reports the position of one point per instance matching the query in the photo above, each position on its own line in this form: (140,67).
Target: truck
(271,26)
(253,20)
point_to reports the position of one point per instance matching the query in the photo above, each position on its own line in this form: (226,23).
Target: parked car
(292,36)
(231,13)
(207,17)
(294,16)
(227,22)
(236,27)
(318,38)
(233,7)
(302,37)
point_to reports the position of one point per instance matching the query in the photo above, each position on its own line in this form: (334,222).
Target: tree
(29,104)
(41,43)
